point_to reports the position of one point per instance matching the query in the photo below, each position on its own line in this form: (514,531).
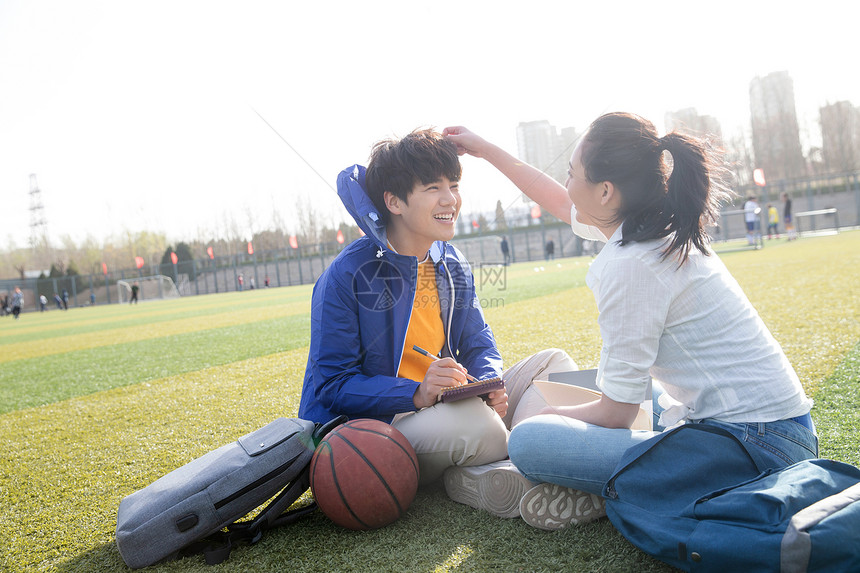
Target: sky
(191,117)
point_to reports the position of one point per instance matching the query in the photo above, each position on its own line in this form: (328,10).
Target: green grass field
(96,403)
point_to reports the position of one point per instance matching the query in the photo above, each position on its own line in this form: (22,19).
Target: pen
(420,350)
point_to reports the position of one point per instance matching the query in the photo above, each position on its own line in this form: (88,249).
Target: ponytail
(657,201)
(690,195)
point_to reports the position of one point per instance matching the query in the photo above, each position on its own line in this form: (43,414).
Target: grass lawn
(98,402)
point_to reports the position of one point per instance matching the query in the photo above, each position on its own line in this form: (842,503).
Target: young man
(403,285)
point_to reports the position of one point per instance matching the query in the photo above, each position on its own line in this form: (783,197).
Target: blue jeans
(556,449)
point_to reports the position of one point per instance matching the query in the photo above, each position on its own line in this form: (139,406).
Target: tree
(739,158)
(183,252)
(184,260)
(144,244)
(57,270)
(309,222)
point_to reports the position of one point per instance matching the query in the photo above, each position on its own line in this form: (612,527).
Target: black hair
(396,165)
(656,200)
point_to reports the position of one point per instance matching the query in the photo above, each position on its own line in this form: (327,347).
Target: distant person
(252,283)
(786,217)
(506,251)
(134,290)
(4,306)
(549,250)
(267,281)
(65,299)
(43,302)
(92,299)
(241,282)
(772,221)
(59,301)
(17,302)
(751,217)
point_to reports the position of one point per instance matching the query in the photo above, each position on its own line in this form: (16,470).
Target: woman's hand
(604,412)
(537,185)
(466,141)
(498,401)
(442,373)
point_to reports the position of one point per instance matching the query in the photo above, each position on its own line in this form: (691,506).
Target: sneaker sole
(497,490)
(551,507)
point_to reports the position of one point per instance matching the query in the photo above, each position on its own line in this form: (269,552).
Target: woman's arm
(604,412)
(538,186)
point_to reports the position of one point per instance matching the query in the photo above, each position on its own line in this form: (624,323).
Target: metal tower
(38,223)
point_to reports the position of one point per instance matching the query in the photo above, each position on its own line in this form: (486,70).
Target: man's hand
(442,373)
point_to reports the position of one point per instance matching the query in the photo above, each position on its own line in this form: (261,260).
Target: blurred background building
(840,137)
(689,121)
(548,148)
(775,131)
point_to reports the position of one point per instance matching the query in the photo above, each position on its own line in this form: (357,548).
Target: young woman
(669,311)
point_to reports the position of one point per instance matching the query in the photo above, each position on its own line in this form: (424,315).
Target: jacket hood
(352,191)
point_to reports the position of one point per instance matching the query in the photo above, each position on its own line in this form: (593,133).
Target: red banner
(294,243)
(210,252)
(104,268)
(250,248)
(138,261)
(173,258)
(340,236)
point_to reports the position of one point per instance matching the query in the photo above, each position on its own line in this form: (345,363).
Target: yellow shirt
(425,325)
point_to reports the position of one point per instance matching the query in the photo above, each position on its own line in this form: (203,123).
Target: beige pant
(470,433)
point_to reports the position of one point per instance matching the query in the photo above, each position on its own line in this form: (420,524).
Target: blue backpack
(695,499)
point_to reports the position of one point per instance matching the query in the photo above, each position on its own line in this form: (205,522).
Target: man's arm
(336,357)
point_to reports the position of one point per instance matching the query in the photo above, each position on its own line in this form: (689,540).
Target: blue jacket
(360,312)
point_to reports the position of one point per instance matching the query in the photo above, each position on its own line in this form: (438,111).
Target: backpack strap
(321,430)
(217,547)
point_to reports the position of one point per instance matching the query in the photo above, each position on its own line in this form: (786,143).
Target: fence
(819,203)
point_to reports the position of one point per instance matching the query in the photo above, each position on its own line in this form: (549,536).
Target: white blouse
(692,329)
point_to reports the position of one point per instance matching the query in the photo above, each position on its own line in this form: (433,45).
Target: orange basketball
(364,474)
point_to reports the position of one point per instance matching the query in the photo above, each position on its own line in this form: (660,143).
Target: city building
(840,137)
(541,144)
(689,121)
(775,130)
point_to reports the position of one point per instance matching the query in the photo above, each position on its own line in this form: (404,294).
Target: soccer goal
(148,288)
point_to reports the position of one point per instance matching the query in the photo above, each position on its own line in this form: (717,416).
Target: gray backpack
(186,511)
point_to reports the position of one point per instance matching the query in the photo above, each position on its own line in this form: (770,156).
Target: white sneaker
(550,506)
(496,487)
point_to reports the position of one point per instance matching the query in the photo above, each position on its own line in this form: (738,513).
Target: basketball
(364,474)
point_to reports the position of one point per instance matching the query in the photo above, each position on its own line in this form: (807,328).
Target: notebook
(480,388)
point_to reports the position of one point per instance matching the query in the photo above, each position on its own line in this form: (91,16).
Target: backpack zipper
(256,483)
